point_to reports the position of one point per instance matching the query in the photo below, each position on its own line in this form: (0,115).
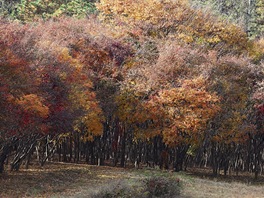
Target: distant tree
(7,7)
(30,10)
(249,14)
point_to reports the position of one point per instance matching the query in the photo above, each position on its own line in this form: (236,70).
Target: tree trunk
(256,159)
(64,150)
(123,148)
(155,151)
(29,157)
(214,156)
(180,156)
(3,156)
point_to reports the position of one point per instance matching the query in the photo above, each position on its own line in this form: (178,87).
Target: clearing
(81,180)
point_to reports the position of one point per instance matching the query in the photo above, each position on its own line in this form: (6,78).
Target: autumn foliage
(155,73)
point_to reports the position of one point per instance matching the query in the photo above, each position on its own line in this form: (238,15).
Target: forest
(173,84)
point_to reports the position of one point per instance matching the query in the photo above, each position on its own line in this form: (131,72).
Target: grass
(81,180)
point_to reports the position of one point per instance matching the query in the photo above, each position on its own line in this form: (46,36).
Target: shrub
(154,186)
(115,189)
(162,187)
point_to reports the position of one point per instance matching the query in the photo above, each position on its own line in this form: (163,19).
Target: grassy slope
(71,180)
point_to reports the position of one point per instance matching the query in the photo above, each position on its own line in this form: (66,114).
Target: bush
(115,189)
(162,187)
(155,186)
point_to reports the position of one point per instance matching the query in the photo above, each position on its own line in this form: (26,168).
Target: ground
(81,180)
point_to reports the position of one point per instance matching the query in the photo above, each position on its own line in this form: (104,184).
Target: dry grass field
(81,180)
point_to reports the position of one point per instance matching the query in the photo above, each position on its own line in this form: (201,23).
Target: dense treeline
(247,13)
(152,82)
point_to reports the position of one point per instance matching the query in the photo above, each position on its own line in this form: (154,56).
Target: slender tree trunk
(3,156)
(92,145)
(214,156)
(155,151)
(86,146)
(123,148)
(29,157)
(64,150)
(76,138)
(59,151)
(70,148)
(256,159)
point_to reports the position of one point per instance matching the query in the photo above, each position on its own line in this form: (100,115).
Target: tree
(45,9)
(22,107)
(246,13)
(177,20)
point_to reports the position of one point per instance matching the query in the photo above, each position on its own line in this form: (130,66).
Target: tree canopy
(121,80)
